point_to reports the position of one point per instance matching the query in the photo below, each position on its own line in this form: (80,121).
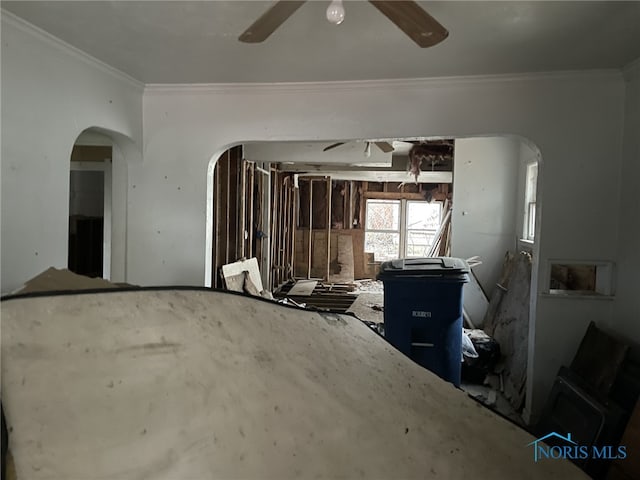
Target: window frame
(530,203)
(433,231)
(403,228)
(370,230)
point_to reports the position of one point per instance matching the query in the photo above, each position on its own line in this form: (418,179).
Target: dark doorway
(86,222)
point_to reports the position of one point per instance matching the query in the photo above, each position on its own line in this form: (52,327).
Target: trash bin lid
(434,266)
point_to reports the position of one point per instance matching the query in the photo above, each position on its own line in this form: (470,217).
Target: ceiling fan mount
(408,16)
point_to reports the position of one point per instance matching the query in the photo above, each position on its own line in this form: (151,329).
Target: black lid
(427,266)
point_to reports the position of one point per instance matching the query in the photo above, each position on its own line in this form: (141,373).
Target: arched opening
(90,188)
(292,210)
(97,205)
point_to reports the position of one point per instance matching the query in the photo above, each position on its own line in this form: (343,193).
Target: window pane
(383,215)
(532,181)
(385,246)
(531,221)
(530,202)
(419,243)
(423,215)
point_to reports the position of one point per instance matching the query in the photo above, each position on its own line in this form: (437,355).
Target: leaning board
(194,384)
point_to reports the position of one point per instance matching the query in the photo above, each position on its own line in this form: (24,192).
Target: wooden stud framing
(243,203)
(310,225)
(328,208)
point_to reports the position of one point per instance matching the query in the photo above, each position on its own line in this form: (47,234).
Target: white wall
(485,175)
(50,94)
(626,314)
(574,119)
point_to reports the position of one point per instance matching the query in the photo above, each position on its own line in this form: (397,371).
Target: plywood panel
(341,258)
(204,384)
(302,288)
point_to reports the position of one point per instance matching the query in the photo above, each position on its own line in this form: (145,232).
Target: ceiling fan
(386,147)
(408,16)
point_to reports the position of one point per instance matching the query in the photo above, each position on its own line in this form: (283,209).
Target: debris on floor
(56,280)
(595,395)
(502,343)
(507,321)
(243,276)
(369,306)
(475,369)
(317,295)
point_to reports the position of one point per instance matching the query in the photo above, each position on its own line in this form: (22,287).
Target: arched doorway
(90,190)
(97,229)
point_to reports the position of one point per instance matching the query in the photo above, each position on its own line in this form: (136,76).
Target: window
(382,229)
(529,227)
(422,221)
(400,228)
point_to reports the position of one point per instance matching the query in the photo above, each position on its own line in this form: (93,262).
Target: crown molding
(385,84)
(63,46)
(309,87)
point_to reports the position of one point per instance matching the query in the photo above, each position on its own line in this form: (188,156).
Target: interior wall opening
(90,191)
(322,215)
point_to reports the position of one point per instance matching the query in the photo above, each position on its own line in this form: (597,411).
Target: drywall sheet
(237,268)
(194,384)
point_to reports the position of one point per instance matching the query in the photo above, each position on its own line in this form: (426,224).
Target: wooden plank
(319,254)
(399,195)
(510,328)
(242,193)
(227,249)
(251,192)
(359,267)
(294,227)
(217,208)
(344,259)
(363,202)
(328,209)
(310,227)
(302,287)
(351,205)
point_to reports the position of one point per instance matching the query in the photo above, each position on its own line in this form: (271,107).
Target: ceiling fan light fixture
(367,150)
(335,12)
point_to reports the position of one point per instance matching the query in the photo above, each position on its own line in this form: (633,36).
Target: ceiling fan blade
(409,17)
(386,147)
(270,20)
(332,146)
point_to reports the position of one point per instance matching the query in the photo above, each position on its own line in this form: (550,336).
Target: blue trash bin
(423,311)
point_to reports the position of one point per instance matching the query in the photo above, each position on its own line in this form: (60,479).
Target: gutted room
(322,239)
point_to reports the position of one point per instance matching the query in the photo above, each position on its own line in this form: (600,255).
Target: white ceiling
(196,42)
